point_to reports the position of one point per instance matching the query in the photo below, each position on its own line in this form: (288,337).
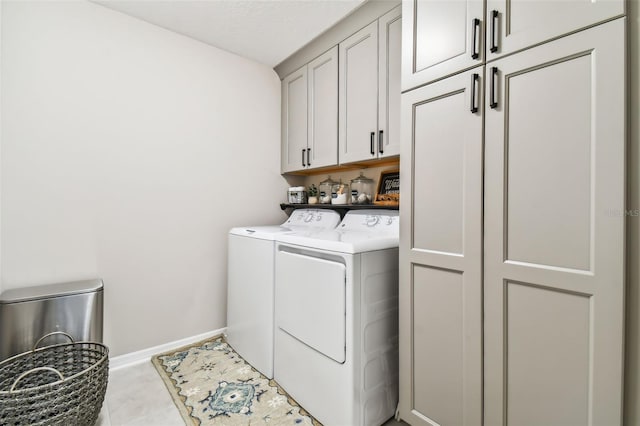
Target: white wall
(0,142)
(128,151)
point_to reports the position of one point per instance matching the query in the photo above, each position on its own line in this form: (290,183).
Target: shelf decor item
(297,195)
(388,188)
(63,384)
(312,194)
(361,190)
(325,190)
(340,193)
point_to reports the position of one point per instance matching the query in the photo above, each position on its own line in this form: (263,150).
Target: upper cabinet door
(554,232)
(390,32)
(359,95)
(515,25)
(322,146)
(440,38)
(294,121)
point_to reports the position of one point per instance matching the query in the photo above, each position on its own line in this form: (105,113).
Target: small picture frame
(388,193)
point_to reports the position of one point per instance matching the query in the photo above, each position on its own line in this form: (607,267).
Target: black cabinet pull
(494,29)
(474,89)
(303,157)
(380,143)
(373,135)
(494,98)
(308,156)
(475,29)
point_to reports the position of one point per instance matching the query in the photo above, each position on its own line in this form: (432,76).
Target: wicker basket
(62,384)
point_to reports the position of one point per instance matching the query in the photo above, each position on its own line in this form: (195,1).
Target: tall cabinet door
(359,95)
(322,148)
(554,232)
(440,38)
(515,25)
(294,121)
(441,253)
(390,33)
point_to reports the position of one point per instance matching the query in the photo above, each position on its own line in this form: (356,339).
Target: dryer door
(310,299)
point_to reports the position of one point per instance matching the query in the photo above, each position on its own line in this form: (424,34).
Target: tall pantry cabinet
(512,254)
(441,257)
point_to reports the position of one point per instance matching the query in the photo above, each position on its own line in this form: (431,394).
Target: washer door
(311,302)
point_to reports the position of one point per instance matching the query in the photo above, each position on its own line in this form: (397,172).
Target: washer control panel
(325,219)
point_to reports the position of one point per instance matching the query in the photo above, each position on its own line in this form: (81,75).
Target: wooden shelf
(342,209)
(385,162)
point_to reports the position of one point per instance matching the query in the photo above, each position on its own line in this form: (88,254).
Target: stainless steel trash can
(27,314)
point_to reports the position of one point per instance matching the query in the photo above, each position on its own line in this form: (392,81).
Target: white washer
(250,285)
(336,335)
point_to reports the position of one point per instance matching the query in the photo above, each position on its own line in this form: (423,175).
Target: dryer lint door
(310,300)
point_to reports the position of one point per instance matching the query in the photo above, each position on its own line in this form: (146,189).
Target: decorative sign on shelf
(388,188)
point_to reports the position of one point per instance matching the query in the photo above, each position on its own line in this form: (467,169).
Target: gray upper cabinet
(359,95)
(310,115)
(369,91)
(516,25)
(294,121)
(322,122)
(440,38)
(390,54)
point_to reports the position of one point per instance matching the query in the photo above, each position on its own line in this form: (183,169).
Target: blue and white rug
(212,385)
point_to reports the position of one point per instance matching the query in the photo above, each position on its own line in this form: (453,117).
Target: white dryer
(336,336)
(250,284)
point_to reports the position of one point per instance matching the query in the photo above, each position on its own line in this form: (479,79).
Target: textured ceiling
(267,31)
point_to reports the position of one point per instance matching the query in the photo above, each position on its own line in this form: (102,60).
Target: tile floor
(136,396)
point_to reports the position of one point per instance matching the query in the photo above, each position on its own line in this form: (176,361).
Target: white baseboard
(145,355)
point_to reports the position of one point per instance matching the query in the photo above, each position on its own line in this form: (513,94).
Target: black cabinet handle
(475,29)
(380,143)
(474,89)
(494,98)
(303,151)
(373,135)
(308,156)
(494,29)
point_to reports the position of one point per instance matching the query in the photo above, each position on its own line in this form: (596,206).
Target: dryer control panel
(383,221)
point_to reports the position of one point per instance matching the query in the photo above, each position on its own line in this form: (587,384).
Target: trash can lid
(50,290)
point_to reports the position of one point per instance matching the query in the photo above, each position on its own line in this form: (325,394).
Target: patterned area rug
(212,385)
